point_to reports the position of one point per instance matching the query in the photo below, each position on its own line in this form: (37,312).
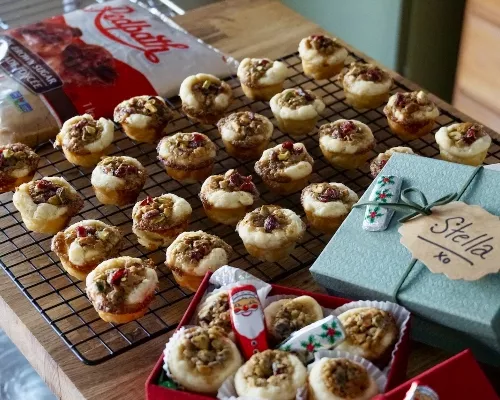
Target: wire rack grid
(61,300)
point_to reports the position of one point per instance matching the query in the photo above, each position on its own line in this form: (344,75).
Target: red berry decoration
(235,179)
(117,276)
(247,187)
(147,201)
(125,169)
(81,231)
(346,127)
(470,136)
(328,195)
(374,75)
(271,223)
(288,145)
(196,141)
(400,100)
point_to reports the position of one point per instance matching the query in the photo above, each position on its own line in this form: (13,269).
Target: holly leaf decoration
(374,214)
(385,180)
(383,195)
(311,344)
(331,332)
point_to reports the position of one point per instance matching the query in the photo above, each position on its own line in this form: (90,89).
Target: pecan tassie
(84,132)
(270,218)
(216,313)
(122,168)
(150,106)
(409,103)
(186,150)
(290,318)
(270,367)
(16,156)
(366,72)
(154,214)
(322,44)
(327,192)
(205,92)
(345,378)
(45,191)
(465,134)
(231,181)
(346,131)
(197,245)
(296,98)
(250,129)
(256,70)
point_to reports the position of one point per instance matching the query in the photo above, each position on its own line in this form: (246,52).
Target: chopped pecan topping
(206,91)
(345,378)
(270,218)
(197,245)
(249,129)
(17,156)
(233,181)
(84,132)
(411,102)
(367,72)
(123,168)
(465,134)
(150,106)
(154,213)
(327,192)
(290,318)
(296,98)
(217,314)
(45,191)
(270,367)
(346,130)
(323,44)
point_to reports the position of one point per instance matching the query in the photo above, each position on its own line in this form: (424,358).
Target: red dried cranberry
(304,94)
(125,169)
(400,100)
(247,187)
(298,149)
(199,252)
(317,37)
(264,62)
(43,184)
(288,145)
(470,136)
(374,75)
(347,127)
(81,231)
(196,141)
(148,200)
(251,116)
(328,195)
(271,223)
(235,179)
(116,277)
(382,163)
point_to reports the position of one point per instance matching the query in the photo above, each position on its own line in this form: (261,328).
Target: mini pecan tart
(283,317)
(346,143)
(118,180)
(340,379)
(121,289)
(261,78)
(188,157)
(270,233)
(192,254)
(158,221)
(379,162)
(84,140)
(47,205)
(411,115)
(366,85)
(327,205)
(144,118)
(271,375)
(227,198)
(322,57)
(205,98)
(285,168)
(214,312)
(371,333)
(296,110)
(245,134)
(82,246)
(200,359)
(464,143)
(18,164)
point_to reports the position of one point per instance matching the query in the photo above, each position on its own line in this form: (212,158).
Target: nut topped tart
(84,140)
(285,168)
(322,56)
(192,254)
(286,316)
(379,162)
(188,157)
(46,205)
(346,143)
(411,115)
(270,233)
(272,375)
(143,118)
(118,180)
(214,312)
(227,198)
(82,246)
(327,205)
(463,143)
(245,134)
(296,110)
(200,359)
(205,98)
(366,85)
(122,288)
(371,333)
(261,78)
(341,379)
(18,164)
(157,221)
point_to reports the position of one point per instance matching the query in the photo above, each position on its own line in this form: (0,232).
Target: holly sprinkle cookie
(322,57)
(18,164)
(261,78)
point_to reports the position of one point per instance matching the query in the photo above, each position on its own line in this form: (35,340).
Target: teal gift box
(451,314)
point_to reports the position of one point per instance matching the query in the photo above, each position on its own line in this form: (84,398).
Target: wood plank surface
(240,28)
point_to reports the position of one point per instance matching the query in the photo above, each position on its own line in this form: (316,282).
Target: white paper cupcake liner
(176,336)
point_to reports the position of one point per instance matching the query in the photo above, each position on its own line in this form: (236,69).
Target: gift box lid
(460,377)
(361,264)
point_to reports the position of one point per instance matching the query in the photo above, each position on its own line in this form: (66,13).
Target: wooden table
(241,28)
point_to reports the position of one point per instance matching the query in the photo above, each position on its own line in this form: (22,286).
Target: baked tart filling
(296,98)
(158,213)
(465,134)
(411,107)
(56,194)
(344,378)
(245,129)
(17,160)
(215,313)
(186,149)
(270,367)
(153,107)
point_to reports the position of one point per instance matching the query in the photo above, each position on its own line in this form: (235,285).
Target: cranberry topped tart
(188,157)
(271,375)
(157,221)
(270,233)
(346,143)
(214,312)
(144,118)
(46,205)
(245,134)
(205,98)
(296,110)
(411,115)
(340,379)
(322,57)
(285,168)
(84,140)
(18,164)
(200,359)
(121,289)
(118,180)
(227,198)
(379,162)
(366,85)
(192,254)
(464,143)
(82,246)
(327,205)
(261,78)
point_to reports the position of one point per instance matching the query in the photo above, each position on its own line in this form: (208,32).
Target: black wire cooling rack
(27,259)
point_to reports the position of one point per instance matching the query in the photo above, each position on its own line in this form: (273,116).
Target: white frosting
(139,121)
(313,56)
(446,143)
(223,199)
(188,98)
(274,75)
(260,238)
(301,113)
(19,172)
(337,145)
(144,289)
(212,261)
(418,115)
(103,141)
(101,179)
(180,207)
(331,208)
(361,87)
